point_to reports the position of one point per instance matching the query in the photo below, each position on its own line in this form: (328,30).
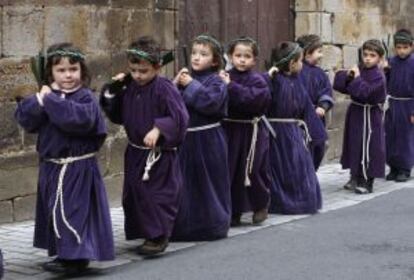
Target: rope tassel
(153,156)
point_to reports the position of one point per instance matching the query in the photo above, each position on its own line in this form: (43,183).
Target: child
(399,118)
(295,188)
(247,136)
(72,213)
(363,149)
(204,212)
(318,86)
(155,119)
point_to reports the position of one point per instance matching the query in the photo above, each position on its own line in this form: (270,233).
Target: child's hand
(320,112)
(272,71)
(177,77)
(356,71)
(183,77)
(45,90)
(225,77)
(150,140)
(412,119)
(119,77)
(384,63)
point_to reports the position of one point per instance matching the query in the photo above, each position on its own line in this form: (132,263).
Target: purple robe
(295,188)
(368,89)
(319,89)
(69,127)
(150,207)
(399,131)
(249,97)
(204,212)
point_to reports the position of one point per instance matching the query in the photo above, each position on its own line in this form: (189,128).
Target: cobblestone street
(22,261)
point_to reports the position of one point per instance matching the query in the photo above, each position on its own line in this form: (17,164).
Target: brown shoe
(152,247)
(259,216)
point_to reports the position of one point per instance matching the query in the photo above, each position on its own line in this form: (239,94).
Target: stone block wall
(343,26)
(102,29)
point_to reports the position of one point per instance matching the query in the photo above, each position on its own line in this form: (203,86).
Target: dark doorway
(267,21)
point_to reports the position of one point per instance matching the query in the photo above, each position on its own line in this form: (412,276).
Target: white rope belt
(203,127)
(59,193)
(366,135)
(299,122)
(252,151)
(153,157)
(390,97)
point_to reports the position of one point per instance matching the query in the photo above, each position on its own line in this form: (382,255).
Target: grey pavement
(22,261)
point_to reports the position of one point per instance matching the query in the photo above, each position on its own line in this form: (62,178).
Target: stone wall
(343,26)
(102,29)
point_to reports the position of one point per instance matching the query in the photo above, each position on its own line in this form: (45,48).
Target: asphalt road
(372,240)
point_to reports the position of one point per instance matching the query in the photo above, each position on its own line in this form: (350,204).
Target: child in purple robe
(363,150)
(247,135)
(318,86)
(399,117)
(72,212)
(295,188)
(204,211)
(155,119)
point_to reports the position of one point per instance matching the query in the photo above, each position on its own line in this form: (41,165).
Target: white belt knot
(366,135)
(153,157)
(59,193)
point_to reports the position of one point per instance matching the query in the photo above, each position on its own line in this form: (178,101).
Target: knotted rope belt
(153,157)
(59,192)
(366,134)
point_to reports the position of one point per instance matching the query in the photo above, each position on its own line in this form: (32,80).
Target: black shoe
(70,267)
(402,177)
(392,175)
(365,186)
(153,247)
(259,216)
(235,220)
(351,184)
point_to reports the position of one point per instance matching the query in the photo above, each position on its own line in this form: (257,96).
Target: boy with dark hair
(399,118)
(363,150)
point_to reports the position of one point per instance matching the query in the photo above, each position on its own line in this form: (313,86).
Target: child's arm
(173,124)
(30,113)
(254,98)
(316,128)
(111,97)
(206,99)
(70,116)
(341,81)
(372,92)
(325,101)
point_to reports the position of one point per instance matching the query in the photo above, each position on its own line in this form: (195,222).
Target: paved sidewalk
(22,261)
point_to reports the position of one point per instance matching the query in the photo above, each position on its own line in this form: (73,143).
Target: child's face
(242,57)
(315,57)
(202,57)
(67,76)
(403,50)
(295,66)
(370,58)
(143,72)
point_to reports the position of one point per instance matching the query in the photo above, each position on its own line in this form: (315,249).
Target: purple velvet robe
(295,188)
(399,131)
(204,212)
(69,126)
(150,207)
(319,89)
(369,88)
(249,97)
